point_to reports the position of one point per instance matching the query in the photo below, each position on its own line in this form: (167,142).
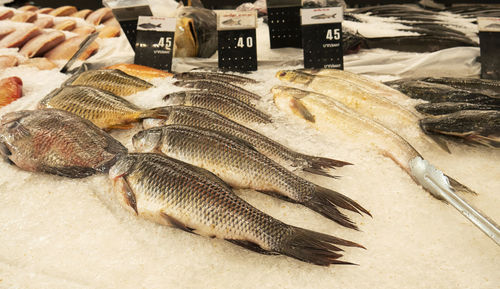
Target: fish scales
(57,142)
(111,80)
(207,119)
(102,108)
(170,192)
(238,164)
(219,87)
(196,75)
(231,108)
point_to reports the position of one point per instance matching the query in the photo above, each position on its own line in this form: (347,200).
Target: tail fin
(157,112)
(314,247)
(325,202)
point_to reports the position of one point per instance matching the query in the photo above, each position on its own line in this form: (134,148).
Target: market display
(189,149)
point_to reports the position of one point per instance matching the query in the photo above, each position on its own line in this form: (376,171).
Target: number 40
(241,43)
(335,35)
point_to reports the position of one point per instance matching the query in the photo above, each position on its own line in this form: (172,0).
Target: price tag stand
(322,37)
(284,23)
(237,45)
(155,42)
(489,42)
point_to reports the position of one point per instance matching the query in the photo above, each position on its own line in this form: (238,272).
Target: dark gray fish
(437,92)
(241,166)
(229,107)
(472,126)
(203,118)
(173,193)
(425,43)
(57,142)
(450,107)
(219,87)
(487,86)
(218,76)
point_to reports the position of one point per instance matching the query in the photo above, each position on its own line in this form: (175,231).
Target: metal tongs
(83,46)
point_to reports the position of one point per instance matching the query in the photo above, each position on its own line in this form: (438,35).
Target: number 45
(335,35)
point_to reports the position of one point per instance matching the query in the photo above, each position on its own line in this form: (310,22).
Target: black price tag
(237,43)
(127,13)
(283,18)
(322,37)
(489,42)
(155,42)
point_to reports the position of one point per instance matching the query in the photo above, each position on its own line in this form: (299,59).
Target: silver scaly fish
(173,193)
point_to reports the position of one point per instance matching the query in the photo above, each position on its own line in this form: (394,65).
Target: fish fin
(69,172)
(440,142)
(484,140)
(250,246)
(459,187)
(324,201)
(278,196)
(4,150)
(300,110)
(176,223)
(320,172)
(314,247)
(319,163)
(121,126)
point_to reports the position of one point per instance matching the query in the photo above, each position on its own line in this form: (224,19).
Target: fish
(41,63)
(19,37)
(440,108)
(109,32)
(424,43)
(27,8)
(27,17)
(84,30)
(176,194)
(324,16)
(241,166)
(104,109)
(56,142)
(225,77)
(42,43)
(44,22)
(372,105)
(45,10)
(490,87)
(66,25)
(229,107)
(331,115)
(220,87)
(149,25)
(11,88)
(100,15)
(472,126)
(437,92)
(81,13)
(63,11)
(111,80)
(206,119)
(69,47)
(231,22)
(6,14)
(7,61)
(140,71)
(195,33)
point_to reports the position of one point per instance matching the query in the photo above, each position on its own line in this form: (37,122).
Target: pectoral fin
(298,108)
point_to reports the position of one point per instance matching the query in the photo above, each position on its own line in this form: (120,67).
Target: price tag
(284,23)
(489,41)
(322,37)
(155,42)
(237,44)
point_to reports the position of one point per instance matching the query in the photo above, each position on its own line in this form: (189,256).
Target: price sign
(284,23)
(155,42)
(237,45)
(322,37)
(489,41)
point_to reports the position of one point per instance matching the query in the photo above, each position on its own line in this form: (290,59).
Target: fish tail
(314,247)
(325,202)
(320,163)
(157,112)
(458,186)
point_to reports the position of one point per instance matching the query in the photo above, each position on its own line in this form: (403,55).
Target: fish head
(182,83)
(122,167)
(147,140)
(186,39)
(176,98)
(14,136)
(294,76)
(152,122)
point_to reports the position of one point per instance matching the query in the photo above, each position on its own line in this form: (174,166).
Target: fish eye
(283,73)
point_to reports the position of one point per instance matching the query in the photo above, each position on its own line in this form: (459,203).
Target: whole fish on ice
(56,142)
(206,119)
(221,87)
(173,193)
